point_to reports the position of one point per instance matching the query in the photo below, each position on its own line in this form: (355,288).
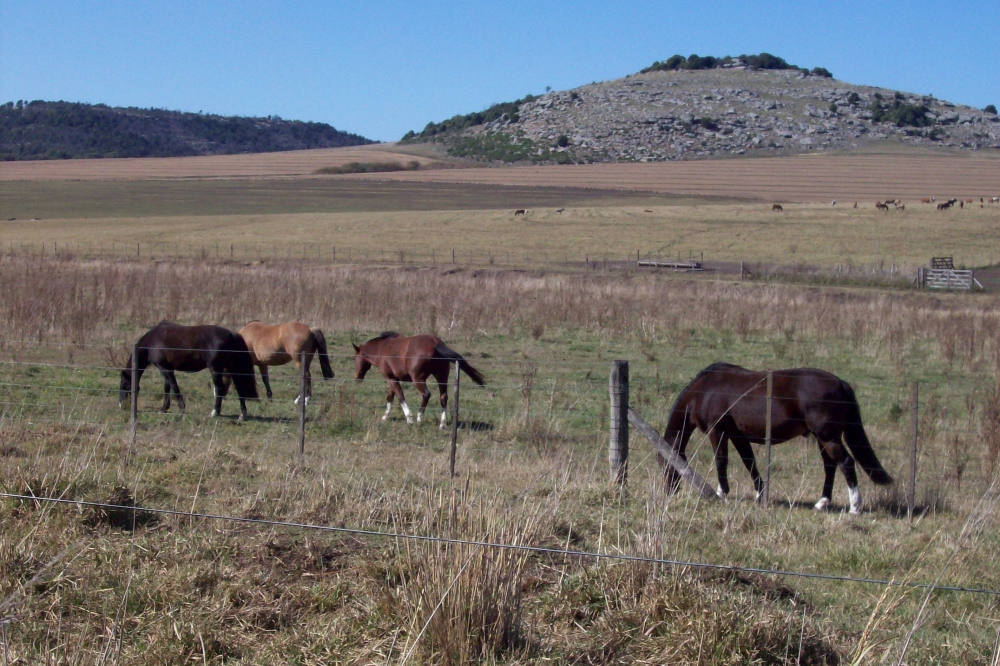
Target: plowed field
(801,178)
(288,163)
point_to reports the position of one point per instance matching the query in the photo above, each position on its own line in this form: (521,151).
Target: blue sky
(381,69)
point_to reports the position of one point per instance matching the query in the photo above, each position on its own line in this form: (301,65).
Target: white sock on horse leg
(855,495)
(406,412)
(821,504)
(444,419)
(388,408)
(720,492)
(420,416)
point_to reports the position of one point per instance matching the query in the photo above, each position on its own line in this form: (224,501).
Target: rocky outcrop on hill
(669,115)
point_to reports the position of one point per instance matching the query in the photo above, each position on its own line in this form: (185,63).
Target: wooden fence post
(767,439)
(302,406)
(915,425)
(454,423)
(618,448)
(134,398)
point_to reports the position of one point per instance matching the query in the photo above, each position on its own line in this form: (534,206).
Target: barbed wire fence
(584,407)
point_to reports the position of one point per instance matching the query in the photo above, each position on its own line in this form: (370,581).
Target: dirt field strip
(287,163)
(801,178)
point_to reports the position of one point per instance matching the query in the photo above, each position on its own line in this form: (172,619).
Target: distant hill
(698,107)
(62,130)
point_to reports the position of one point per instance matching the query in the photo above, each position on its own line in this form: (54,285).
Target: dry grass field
(153,588)
(803,234)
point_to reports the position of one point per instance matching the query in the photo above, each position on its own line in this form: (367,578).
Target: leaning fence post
(302,406)
(454,423)
(767,439)
(915,425)
(618,446)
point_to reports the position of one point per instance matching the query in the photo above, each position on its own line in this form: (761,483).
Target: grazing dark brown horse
(284,343)
(729,403)
(414,359)
(172,347)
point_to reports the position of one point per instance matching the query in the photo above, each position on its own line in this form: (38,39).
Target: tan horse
(283,343)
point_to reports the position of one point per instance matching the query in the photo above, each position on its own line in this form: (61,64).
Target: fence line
(516,547)
(883,269)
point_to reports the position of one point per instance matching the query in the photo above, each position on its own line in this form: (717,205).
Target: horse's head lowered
(361,364)
(125,387)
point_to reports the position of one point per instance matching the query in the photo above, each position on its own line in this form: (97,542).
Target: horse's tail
(324,357)
(443,351)
(857,441)
(241,368)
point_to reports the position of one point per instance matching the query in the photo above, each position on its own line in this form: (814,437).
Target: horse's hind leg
(219,389)
(841,458)
(443,388)
(167,387)
(396,390)
(425,396)
(308,383)
(743,447)
(720,442)
(264,377)
(829,471)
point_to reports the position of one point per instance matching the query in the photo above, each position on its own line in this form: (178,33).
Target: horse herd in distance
(899,205)
(726,402)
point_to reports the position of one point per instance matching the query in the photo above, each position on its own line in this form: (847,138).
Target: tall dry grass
(87,302)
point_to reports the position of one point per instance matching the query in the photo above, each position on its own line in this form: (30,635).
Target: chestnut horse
(413,359)
(283,343)
(729,403)
(172,347)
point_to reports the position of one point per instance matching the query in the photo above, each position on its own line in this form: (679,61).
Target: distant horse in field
(283,343)
(881,206)
(172,347)
(729,403)
(776,207)
(413,359)
(521,211)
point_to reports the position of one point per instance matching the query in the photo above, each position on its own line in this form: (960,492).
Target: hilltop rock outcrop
(669,115)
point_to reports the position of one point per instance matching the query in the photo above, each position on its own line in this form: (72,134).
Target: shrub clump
(900,113)
(370,167)
(760,61)
(461,122)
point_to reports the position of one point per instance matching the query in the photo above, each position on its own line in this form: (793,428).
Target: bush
(370,167)
(461,122)
(900,113)
(761,61)
(833,107)
(562,141)
(990,109)
(853,98)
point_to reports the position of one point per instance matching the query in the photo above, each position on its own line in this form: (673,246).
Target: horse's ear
(357,349)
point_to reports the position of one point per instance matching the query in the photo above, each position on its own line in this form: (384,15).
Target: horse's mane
(714,367)
(384,335)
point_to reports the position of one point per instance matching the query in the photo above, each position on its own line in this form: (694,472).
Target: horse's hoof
(822,504)
(241,418)
(214,414)
(409,421)
(855,511)
(307,402)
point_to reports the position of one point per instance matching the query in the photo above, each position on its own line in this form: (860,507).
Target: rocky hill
(730,109)
(61,130)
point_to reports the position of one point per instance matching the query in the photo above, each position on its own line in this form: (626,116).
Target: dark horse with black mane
(730,403)
(413,359)
(172,347)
